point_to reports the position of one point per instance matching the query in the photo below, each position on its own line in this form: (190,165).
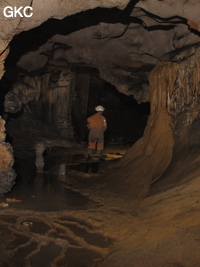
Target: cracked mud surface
(43,239)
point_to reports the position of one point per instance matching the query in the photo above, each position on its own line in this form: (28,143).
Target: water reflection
(86,167)
(42,190)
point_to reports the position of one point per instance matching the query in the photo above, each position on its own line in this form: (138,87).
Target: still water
(44,191)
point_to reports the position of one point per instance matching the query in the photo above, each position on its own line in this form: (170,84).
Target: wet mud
(46,223)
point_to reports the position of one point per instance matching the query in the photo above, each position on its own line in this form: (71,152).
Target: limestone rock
(7,174)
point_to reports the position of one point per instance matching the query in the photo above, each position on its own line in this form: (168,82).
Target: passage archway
(147,50)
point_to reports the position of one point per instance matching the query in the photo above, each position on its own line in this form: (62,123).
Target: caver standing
(97,125)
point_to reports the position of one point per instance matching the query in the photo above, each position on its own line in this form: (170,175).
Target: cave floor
(61,219)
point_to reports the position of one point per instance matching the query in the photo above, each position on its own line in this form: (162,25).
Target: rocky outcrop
(123,41)
(7,174)
(174,91)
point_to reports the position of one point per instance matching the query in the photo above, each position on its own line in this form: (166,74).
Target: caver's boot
(100,155)
(90,152)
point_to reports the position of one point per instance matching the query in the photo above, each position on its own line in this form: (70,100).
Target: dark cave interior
(126,118)
(33,119)
(139,206)
(28,124)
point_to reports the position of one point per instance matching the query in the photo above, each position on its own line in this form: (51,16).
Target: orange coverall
(97,125)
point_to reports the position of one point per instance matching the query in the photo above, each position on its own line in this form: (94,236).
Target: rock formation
(123,41)
(7,174)
(174,91)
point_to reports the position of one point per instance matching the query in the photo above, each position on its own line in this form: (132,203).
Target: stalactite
(177,83)
(53,102)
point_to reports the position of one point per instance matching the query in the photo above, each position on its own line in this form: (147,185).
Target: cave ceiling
(122,40)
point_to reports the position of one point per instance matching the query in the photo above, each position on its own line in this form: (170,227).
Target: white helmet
(99,108)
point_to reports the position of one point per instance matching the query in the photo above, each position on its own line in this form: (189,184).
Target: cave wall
(36,101)
(188,13)
(42,11)
(62,100)
(39,101)
(53,102)
(56,100)
(7,174)
(174,92)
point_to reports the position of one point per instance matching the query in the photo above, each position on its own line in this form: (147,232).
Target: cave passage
(45,190)
(52,121)
(48,108)
(139,206)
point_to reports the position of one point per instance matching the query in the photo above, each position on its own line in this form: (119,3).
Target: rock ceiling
(122,40)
